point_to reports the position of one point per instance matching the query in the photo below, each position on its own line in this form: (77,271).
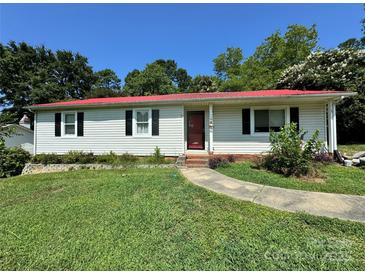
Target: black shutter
(294,116)
(57,124)
(128,122)
(80,124)
(155,122)
(246,121)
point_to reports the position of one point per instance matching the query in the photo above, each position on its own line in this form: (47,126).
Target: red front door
(195,129)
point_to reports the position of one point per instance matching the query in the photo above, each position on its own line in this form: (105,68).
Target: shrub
(157,157)
(78,157)
(46,159)
(231,158)
(288,156)
(114,159)
(217,161)
(12,160)
(323,157)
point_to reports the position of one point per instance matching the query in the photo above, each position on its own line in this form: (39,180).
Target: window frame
(63,124)
(286,115)
(142,135)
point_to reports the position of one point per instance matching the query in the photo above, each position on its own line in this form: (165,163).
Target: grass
(337,178)
(351,149)
(153,219)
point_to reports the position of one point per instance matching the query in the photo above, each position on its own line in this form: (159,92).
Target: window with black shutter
(294,116)
(155,122)
(80,124)
(128,122)
(57,124)
(246,121)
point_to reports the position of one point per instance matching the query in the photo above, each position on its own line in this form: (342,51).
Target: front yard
(333,178)
(153,219)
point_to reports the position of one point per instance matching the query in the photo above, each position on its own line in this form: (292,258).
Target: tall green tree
(179,76)
(30,75)
(159,77)
(204,83)
(107,79)
(107,84)
(227,65)
(152,80)
(270,59)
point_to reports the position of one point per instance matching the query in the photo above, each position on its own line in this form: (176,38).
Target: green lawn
(336,178)
(351,149)
(139,219)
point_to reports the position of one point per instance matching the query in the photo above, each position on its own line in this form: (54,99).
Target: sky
(124,37)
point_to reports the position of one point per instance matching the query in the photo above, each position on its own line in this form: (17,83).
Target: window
(266,120)
(69,124)
(142,122)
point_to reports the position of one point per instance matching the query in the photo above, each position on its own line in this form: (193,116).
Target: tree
(159,77)
(203,83)
(107,79)
(30,75)
(179,76)
(152,80)
(264,67)
(227,65)
(6,118)
(107,84)
(339,69)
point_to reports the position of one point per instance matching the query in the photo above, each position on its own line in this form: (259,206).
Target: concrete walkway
(346,207)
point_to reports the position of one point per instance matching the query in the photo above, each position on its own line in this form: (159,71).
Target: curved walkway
(342,206)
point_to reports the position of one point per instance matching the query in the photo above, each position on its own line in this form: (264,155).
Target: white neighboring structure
(22,135)
(214,123)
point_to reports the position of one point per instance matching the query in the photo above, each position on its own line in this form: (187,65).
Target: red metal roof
(188,96)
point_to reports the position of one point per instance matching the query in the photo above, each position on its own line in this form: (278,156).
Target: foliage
(335,70)
(159,77)
(107,84)
(79,157)
(179,76)
(12,160)
(30,75)
(323,157)
(157,157)
(107,79)
(227,65)
(217,161)
(288,156)
(204,83)
(134,219)
(47,159)
(264,67)
(332,178)
(114,159)
(6,118)
(152,80)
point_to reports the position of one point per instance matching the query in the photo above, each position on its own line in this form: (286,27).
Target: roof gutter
(338,95)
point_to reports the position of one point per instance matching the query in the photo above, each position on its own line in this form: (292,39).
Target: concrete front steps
(197,160)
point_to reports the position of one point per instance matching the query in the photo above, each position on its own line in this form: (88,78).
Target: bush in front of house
(47,159)
(79,157)
(157,157)
(217,161)
(12,160)
(113,159)
(288,155)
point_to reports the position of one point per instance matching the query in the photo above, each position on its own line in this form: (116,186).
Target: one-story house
(183,123)
(22,135)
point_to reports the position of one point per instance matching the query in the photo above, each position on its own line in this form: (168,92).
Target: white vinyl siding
(104,131)
(228,137)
